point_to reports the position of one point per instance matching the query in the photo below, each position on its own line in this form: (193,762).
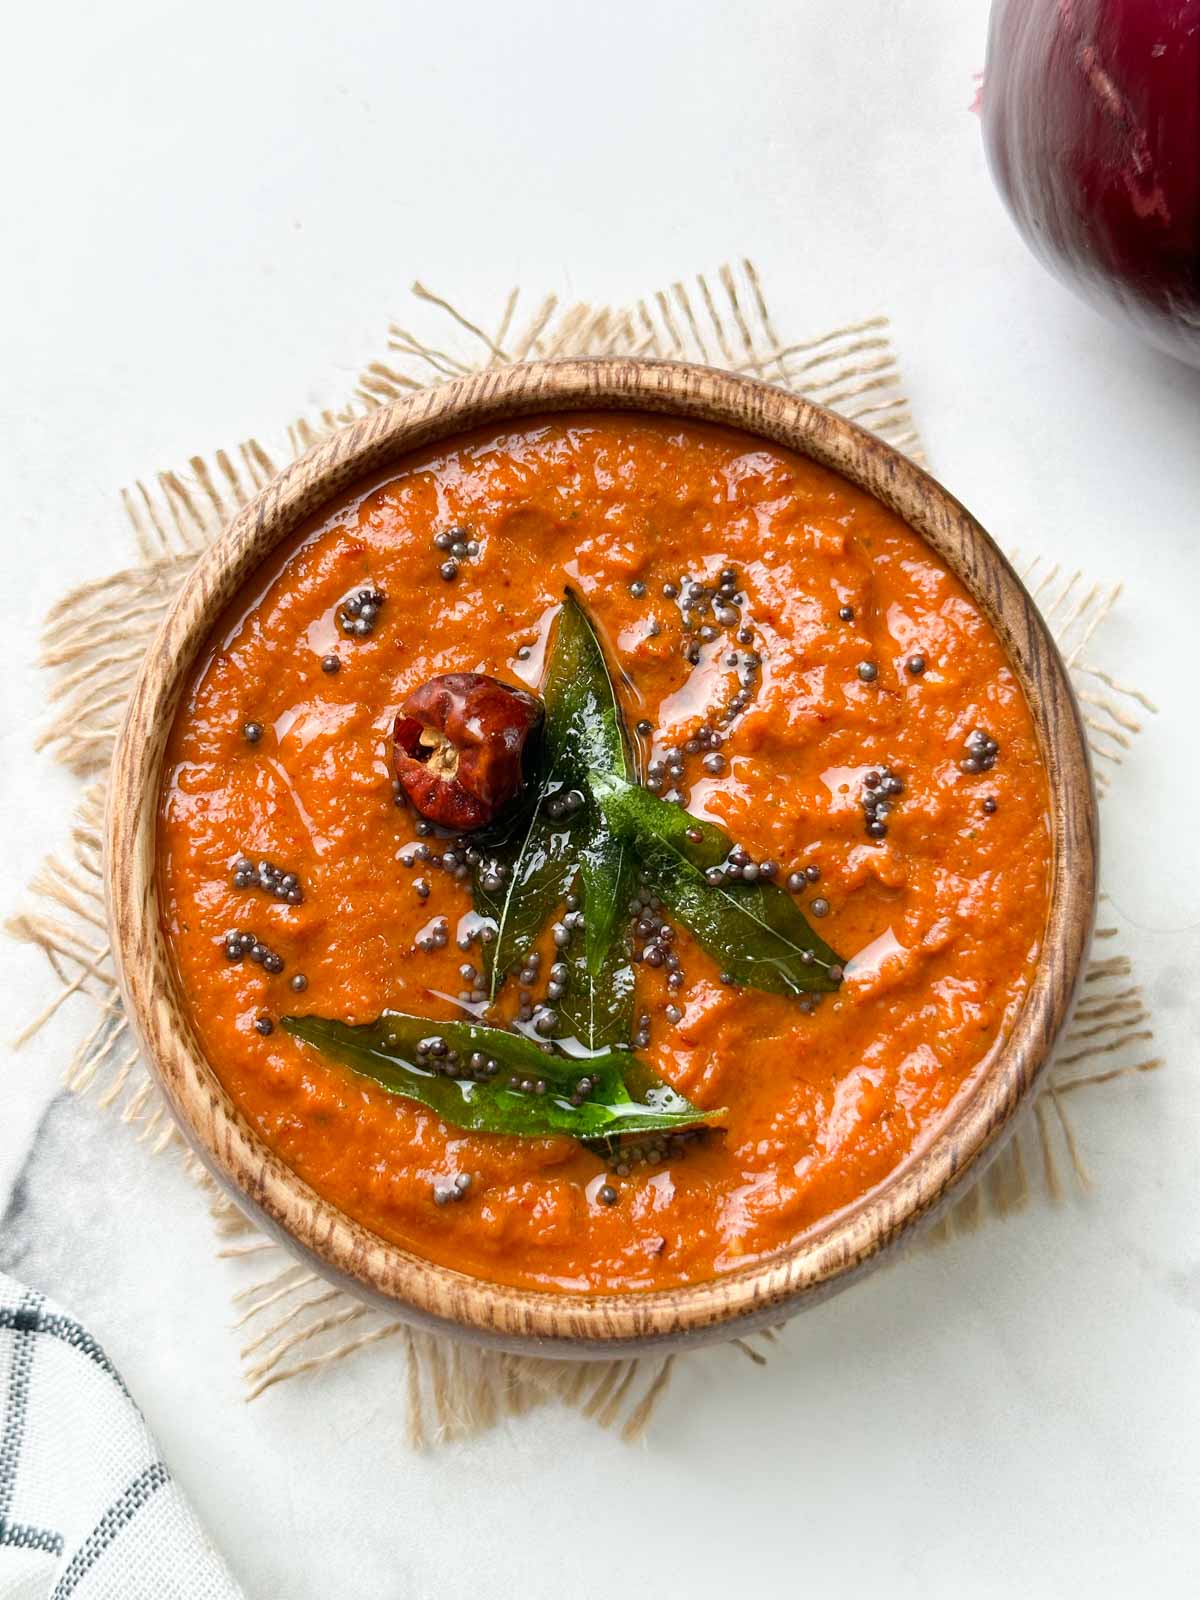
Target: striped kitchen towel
(87,1508)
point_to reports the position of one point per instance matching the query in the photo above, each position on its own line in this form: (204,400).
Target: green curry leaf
(755,931)
(585,728)
(597,1007)
(538,862)
(542,853)
(386,1052)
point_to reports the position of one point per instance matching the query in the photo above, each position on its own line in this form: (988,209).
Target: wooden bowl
(830,1254)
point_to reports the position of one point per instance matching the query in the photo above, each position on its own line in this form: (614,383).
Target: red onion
(1091,118)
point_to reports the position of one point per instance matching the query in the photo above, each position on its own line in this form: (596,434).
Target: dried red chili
(459,745)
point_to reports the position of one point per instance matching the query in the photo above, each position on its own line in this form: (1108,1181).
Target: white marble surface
(211,217)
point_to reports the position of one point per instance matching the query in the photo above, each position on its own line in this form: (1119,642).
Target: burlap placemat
(289,1321)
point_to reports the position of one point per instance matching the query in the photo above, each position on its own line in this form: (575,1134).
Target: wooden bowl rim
(830,1254)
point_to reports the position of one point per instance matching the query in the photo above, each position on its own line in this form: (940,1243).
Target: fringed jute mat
(289,1322)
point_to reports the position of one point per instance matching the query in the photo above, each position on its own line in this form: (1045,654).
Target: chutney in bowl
(718,992)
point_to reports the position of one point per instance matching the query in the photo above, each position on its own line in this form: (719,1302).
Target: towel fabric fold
(87,1507)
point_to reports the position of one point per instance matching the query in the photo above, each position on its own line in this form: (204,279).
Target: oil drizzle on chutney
(742,591)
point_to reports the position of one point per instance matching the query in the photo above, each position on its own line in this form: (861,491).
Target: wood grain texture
(833,1253)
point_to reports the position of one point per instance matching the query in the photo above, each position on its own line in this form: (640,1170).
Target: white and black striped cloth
(87,1508)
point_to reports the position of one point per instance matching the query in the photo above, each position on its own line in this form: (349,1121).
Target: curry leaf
(386,1052)
(584,731)
(598,1003)
(538,868)
(755,931)
(597,1007)
(585,728)
(526,866)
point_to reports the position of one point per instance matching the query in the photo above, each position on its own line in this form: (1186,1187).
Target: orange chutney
(939,921)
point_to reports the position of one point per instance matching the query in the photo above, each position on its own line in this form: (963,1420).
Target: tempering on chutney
(793,666)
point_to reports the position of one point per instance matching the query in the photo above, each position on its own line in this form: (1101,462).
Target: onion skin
(1091,121)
